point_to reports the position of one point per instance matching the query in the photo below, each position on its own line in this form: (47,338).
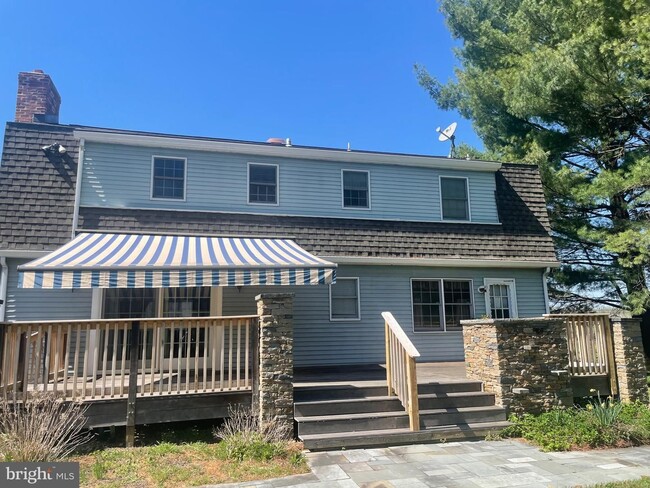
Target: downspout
(77,189)
(545,284)
(4,277)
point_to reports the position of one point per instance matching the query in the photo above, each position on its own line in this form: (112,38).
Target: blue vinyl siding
(24,304)
(321,342)
(120,176)
(318,341)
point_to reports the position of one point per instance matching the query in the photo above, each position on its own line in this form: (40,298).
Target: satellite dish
(448,135)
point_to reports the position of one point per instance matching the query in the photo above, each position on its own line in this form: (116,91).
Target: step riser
(399,422)
(392,405)
(334,393)
(368,440)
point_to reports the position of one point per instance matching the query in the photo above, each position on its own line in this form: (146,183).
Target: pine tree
(565,84)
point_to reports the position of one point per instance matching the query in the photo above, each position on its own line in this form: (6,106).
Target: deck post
(133,383)
(255,366)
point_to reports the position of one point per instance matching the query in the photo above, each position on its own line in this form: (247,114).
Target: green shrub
(602,424)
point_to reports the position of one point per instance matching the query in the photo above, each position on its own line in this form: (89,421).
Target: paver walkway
(466,464)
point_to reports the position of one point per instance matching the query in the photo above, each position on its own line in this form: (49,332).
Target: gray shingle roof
(522,236)
(36,192)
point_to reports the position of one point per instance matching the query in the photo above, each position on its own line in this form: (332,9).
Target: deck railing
(591,347)
(401,373)
(94,359)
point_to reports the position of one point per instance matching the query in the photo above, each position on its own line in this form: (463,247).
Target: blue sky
(322,72)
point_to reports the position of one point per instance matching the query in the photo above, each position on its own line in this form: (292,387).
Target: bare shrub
(245,422)
(43,428)
(244,436)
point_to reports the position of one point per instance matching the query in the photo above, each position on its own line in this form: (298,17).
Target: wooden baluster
(222,354)
(6,359)
(18,338)
(85,365)
(155,341)
(38,376)
(188,349)
(196,357)
(180,353)
(27,362)
(247,326)
(161,359)
(207,328)
(238,352)
(230,334)
(214,335)
(75,366)
(104,357)
(115,329)
(95,365)
(66,360)
(125,331)
(170,371)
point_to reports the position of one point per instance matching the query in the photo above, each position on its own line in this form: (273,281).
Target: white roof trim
(171,142)
(23,253)
(457,263)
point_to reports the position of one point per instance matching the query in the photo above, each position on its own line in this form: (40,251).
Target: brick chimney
(37,99)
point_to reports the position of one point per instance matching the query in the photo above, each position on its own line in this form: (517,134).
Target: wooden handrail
(401,373)
(103,321)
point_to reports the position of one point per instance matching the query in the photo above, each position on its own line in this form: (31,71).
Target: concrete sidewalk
(486,464)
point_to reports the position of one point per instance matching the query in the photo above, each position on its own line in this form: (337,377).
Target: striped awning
(94,260)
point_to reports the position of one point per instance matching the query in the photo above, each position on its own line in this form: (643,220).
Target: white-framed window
(355,186)
(345,303)
(263,184)
(440,304)
(454,198)
(500,298)
(168,178)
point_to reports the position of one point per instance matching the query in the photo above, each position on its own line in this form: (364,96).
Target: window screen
(344,299)
(355,189)
(454,198)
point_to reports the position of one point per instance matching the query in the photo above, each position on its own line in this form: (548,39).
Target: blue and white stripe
(94,260)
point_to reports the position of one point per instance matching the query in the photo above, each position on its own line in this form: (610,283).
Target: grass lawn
(642,483)
(176,465)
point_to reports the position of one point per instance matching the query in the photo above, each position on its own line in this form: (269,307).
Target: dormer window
(454,198)
(168,178)
(263,184)
(356,189)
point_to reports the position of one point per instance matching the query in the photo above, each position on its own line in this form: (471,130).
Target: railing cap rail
(103,321)
(577,314)
(401,335)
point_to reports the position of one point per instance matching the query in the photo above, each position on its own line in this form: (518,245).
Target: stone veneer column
(522,361)
(630,359)
(274,396)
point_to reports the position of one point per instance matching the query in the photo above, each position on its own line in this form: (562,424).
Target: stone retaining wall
(522,361)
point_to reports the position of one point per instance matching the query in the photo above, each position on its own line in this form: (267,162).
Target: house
(135,265)
(434,240)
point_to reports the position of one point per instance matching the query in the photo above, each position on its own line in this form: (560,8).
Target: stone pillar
(274,396)
(522,361)
(630,360)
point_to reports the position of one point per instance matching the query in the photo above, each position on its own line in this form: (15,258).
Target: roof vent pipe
(287,142)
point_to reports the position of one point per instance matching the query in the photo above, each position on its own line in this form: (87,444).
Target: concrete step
(396,437)
(392,404)
(340,392)
(396,420)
